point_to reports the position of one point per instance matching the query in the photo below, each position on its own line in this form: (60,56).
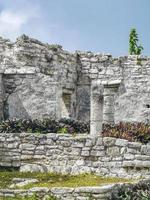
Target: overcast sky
(91,25)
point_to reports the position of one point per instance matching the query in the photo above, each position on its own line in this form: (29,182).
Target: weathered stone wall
(105,192)
(37,76)
(74,155)
(64,193)
(132,99)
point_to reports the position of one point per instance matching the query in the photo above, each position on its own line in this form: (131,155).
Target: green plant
(139,132)
(139,191)
(54,47)
(50,180)
(43,126)
(63,130)
(33,197)
(139,62)
(134,48)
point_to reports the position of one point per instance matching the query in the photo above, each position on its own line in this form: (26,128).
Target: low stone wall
(80,154)
(80,193)
(105,192)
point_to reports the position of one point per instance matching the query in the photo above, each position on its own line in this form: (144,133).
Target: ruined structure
(40,80)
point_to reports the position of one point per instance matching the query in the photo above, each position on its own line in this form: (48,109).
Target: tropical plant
(134,48)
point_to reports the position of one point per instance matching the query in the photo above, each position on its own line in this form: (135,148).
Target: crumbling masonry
(39,80)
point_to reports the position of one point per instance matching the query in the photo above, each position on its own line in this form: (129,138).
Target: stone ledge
(63,193)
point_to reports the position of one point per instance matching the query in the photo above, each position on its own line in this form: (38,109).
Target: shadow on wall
(13,108)
(83,103)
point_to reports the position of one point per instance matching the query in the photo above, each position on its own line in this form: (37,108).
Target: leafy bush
(140,191)
(139,132)
(43,126)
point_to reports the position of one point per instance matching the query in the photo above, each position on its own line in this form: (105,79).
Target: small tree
(134,48)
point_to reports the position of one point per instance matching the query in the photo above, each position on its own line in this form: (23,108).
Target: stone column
(110,89)
(96,110)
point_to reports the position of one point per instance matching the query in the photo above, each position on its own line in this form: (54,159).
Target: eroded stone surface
(41,80)
(75,155)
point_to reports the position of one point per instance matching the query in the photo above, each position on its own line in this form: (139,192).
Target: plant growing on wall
(134,48)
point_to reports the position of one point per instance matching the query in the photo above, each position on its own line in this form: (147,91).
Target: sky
(87,25)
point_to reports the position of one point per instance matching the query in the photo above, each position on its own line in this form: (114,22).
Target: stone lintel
(111,84)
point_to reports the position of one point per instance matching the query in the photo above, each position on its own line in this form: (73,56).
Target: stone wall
(36,76)
(74,155)
(64,193)
(79,193)
(132,99)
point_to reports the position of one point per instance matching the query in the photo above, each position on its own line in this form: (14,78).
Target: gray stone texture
(36,78)
(75,154)
(66,193)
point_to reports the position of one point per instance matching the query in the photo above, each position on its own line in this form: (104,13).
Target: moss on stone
(33,197)
(58,180)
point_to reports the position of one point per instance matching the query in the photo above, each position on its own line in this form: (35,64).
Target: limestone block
(80,163)
(133,151)
(39,189)
(77,144)
(145,149)
(99,141)
(2,138)
(27,146)
(136,145)
(40,148)
(33,168)
(142,157)
(90,142)
(23,182)
(26,157)
(13,145)
(95,190)
(121,142)
(113,151)
(108,141)
(76,151)
(128,164)
(85,153)
(129,156)
(97,153)
(63,190)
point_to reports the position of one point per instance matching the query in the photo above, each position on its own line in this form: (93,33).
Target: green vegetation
(43,126)
(33,197)
(134,48)
(140,191)
(133,132)
(57,180)
(54,47)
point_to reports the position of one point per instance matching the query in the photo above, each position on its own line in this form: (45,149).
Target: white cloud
(12,22)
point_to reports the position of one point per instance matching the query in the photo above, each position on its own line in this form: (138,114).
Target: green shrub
(43,126)
(140,191)
(138,132)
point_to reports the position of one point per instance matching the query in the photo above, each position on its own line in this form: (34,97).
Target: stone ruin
(39,80)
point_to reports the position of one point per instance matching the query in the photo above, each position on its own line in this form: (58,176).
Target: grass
(33,197)
(57,180)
